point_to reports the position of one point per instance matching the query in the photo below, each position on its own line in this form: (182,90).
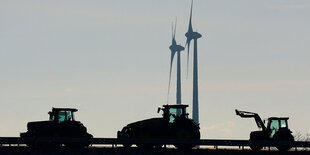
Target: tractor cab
(277,123)
(276,129)
(59,115)
(61,124)
(172,112)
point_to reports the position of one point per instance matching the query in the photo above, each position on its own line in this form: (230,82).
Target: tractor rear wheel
(186,134)
(284,137)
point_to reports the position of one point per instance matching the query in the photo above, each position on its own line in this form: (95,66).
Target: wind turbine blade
(189,35)
(175,27)
(172,30)
(188,43)
(190,28)
(173,42)
(171,61)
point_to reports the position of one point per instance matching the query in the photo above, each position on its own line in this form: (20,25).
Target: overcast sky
(110,59)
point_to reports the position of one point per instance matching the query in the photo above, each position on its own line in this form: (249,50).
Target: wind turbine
(174,48)
(191,35)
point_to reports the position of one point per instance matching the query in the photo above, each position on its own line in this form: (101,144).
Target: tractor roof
(68,109)
(278,118)
(175,106)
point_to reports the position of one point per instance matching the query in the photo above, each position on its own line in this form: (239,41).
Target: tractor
(174,124)
(277,130)
(61,125)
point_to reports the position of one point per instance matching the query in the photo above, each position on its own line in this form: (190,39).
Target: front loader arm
(246,114)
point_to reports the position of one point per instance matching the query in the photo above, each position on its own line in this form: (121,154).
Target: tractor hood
(145,122)
(37,124)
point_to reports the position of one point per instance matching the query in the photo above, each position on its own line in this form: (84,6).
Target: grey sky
(110,59)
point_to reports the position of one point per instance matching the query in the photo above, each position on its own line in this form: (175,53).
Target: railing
(9,141)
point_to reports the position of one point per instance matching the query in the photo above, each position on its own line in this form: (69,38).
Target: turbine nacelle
(179,48)
(192,35)
(176,48)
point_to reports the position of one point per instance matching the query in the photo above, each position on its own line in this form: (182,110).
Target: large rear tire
(284,136)
(186,132)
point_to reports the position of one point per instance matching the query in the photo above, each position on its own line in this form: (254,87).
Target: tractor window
(274,127)
(65,116)
(174,112)
(61,116)
(283,124)
(69,116)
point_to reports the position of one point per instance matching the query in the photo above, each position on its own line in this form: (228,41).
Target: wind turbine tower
(174,48)
(191,35)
